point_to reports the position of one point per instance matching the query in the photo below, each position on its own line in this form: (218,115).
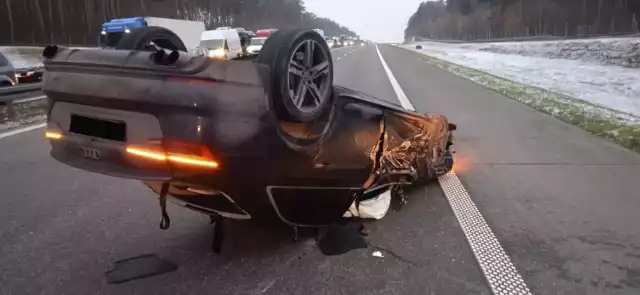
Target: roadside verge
(619,127)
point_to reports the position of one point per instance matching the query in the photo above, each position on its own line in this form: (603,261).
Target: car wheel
(301,74)
(147,38)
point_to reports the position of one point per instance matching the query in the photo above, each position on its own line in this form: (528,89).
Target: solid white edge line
(21,130)
(404,101)
(497,268)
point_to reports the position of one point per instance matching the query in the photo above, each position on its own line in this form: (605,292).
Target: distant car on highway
(330,42)
(245,39)
(344,41)
(8,75)
(220,44)
(29,75)
(265,32)
(256,45)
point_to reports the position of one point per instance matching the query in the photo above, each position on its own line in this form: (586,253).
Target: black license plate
(112,130)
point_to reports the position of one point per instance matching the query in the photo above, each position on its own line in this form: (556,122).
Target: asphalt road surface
(564,205)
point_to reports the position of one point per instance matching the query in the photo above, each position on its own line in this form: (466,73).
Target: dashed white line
(501,274)
(21,130)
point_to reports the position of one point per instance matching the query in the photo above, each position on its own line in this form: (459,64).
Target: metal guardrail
(7,92)
(10,96)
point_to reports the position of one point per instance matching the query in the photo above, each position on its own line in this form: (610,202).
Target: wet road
(562,203)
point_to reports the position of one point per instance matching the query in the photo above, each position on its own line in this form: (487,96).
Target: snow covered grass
(612,87)
(620,127)
(608,51)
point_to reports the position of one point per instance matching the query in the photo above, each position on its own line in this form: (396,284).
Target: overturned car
(264,139)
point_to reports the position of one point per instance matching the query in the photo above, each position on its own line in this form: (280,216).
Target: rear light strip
(180,158)
(52,135)
(173,157)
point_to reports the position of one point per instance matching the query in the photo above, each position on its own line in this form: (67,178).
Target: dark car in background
(8,75)
(29,75)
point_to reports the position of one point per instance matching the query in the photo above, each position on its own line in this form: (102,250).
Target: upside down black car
(262,139)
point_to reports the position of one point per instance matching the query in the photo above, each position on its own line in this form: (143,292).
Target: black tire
(418,46)
(270,48)
(278,52)
(139,39)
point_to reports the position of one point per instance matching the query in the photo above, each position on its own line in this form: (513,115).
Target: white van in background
(220,44)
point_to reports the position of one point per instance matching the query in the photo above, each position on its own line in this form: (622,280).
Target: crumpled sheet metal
(421,151)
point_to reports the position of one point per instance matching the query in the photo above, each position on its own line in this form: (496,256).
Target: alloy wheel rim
(308,76)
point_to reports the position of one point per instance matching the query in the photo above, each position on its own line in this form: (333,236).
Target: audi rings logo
(90,153)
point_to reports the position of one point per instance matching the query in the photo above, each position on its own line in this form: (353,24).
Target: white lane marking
(21,130)
(404,101)
(338,58)
(501,274)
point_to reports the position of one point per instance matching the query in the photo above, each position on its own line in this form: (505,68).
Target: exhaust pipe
(173,58)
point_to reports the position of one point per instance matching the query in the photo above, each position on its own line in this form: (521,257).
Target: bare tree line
(492,19)
(40,22)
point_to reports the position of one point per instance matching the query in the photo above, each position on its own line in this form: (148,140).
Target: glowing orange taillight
(179,158)
(146,153)
(192,160)
(52,135)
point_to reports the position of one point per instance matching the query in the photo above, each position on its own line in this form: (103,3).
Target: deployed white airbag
(374,208)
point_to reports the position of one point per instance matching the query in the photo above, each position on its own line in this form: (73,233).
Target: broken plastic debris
(377,254)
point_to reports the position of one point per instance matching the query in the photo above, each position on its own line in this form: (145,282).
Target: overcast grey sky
(377,20)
